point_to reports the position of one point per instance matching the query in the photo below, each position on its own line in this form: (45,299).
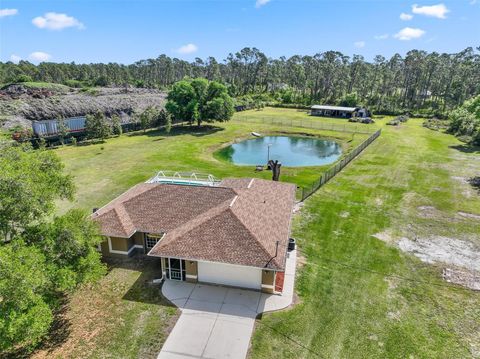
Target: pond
(291,151)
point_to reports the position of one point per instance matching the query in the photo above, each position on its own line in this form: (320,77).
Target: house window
(151,240)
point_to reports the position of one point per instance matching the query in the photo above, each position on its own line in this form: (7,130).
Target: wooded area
(421,82)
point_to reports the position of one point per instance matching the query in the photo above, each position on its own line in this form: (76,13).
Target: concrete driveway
(217,321)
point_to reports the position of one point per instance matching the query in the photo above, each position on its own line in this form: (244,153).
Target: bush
(402,118)
(398,120)
(435,124)
(89,91)
(74,83)
(97,126)
(164,120)
(102,81)
(116,125)
(465,121)
(24,78)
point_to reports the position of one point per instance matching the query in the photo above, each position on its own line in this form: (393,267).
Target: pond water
(290,151)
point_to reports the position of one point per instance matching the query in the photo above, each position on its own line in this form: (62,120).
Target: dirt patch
(385,236)
(298,207)
(461,257)
(460,179)
(301,260)
(443,249)
(469,215)
(468,279)
(428,212)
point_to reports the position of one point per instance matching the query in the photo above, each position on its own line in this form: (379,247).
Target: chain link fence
(332,171)
(348,127)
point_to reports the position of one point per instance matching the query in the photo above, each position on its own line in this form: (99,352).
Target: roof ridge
(251,233)
(201,218)
(155,185)
(105,207)
(124,215)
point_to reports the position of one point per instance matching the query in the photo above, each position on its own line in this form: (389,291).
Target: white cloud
(187,49)
(56,21)
(39,56)
(439,11)
(409,33)
(260,3)
(8,12)
(359,44)
(381,37)
(406,17)
(473,2)
(15,58)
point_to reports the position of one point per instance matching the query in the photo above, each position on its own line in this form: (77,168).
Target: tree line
(420,81)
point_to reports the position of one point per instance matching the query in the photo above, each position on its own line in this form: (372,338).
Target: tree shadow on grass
(466,148)
(178,131)
(145,291)
(195,131)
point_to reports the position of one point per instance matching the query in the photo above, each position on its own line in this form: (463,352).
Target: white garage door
(227,274)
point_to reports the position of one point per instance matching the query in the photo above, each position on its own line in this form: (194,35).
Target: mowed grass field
(358,297)
(103,171)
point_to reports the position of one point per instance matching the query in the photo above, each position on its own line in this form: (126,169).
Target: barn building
(339,111)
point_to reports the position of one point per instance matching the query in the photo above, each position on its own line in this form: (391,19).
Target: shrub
(116,125)
(435,124)
(465,121)
(24,78)
(97,126)
(402,118)
(74,83)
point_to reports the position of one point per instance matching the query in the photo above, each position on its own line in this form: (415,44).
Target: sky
(125,31)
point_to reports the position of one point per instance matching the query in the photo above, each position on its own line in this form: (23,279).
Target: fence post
(332,171)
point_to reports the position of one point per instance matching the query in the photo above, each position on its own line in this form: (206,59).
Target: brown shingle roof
(238,222)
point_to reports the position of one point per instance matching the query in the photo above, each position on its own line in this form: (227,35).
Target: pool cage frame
(185,178)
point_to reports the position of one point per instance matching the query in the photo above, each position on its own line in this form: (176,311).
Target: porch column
(268,281)
(164,268)
(191,271)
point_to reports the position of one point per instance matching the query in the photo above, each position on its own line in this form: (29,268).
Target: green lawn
(103,171)
(272,115)
(354,300)
(358,297)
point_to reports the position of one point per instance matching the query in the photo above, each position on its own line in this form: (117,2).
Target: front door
(176,269)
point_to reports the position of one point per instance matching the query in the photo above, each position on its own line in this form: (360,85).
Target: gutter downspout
(276,253)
